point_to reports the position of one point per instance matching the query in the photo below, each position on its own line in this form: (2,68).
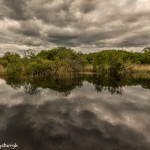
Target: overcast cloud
(81,24)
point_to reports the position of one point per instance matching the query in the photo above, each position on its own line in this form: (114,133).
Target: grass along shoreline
(89,69)
(134,67)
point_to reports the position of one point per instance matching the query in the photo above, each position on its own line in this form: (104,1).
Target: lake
(88,112)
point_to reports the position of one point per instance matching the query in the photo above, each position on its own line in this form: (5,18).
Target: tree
(146,56)
(11,57)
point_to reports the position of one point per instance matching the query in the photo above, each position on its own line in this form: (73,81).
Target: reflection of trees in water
(115,90)
(65,85)
(112,90)
(30,89)
(62,85)
(104,83)
(99,88)
(14,81)
(31,84)
(15,86)
(64,94)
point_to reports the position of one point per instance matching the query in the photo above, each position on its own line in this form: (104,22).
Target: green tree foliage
(65,59)
(104,56)
(11,57)
(146,56)
(30,54)
(40,67)
(110,62)
(13,63)
(58,61)
(61,60)
(90,57)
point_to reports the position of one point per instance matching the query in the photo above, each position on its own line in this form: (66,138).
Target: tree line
(65,61)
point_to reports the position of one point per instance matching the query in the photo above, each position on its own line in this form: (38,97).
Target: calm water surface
(79,114)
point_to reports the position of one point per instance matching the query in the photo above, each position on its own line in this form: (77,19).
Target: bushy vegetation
(65,61)
(126,56)
(58,61)
(115,62)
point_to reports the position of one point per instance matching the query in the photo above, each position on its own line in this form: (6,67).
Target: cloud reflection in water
(85,119)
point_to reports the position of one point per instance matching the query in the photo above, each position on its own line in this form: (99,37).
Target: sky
(84,25)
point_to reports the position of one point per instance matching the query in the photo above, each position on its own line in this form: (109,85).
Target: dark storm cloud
(87,6)
(65,37)
(16,9)
(137,39)
(29,28)
(80,23)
